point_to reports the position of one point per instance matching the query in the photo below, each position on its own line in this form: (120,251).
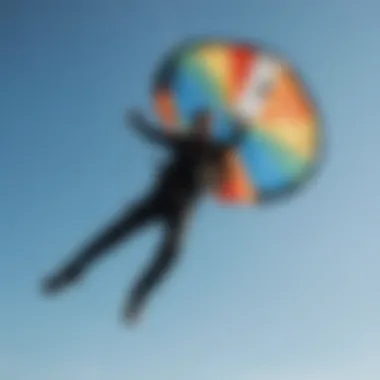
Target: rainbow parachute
(245,82)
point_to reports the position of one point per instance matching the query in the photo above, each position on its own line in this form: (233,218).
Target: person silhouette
(197,164)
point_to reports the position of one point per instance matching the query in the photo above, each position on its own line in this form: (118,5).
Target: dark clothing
(186,177)
(195,165)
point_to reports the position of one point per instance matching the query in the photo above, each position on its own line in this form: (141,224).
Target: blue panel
(189,95)
(262,165)
(222,124)
(193,91)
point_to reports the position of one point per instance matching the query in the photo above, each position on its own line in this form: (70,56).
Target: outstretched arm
(150,131)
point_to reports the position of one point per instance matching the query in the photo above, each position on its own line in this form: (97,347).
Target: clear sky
(288,292)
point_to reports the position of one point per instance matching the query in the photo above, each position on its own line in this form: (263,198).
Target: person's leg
(167,254)
(98,246)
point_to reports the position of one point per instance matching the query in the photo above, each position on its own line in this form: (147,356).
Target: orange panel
(288,102)
(165,108)
(236,186)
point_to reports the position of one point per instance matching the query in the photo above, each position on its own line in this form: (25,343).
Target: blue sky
(283,292)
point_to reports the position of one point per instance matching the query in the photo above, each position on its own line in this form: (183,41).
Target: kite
(240,80)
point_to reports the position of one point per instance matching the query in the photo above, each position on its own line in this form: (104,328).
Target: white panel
(261,79)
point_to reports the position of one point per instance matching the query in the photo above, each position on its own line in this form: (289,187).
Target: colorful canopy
(238,81)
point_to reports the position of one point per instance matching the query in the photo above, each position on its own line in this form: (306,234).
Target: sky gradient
(286,292)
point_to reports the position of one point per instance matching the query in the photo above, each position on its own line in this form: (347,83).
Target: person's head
(202,123)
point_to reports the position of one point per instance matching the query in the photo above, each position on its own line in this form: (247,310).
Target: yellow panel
(301,138)
(216,59)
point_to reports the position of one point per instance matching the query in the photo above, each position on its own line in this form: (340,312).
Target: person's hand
(135,117)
